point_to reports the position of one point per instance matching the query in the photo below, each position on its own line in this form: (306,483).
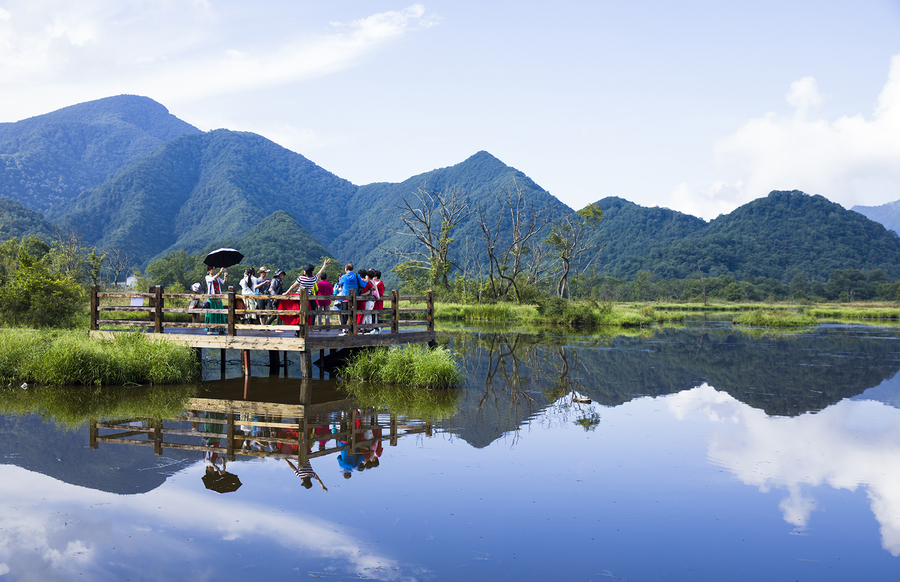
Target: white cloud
(59,52)
(848,160)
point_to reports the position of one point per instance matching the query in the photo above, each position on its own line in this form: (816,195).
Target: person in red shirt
(379,305)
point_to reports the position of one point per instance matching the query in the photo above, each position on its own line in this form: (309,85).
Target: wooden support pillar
(229,449)
(304,313)
(305,364)
(305,393)
(231,302)
(157,436)
(94,432)
(222,361)
(285,363)
(395,311)
(245,362)
(274,362)
(321,364)
(352,311)
(198,355)
(151,302)
(393,430)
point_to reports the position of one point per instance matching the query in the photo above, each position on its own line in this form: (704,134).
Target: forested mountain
(49,159)
(18,221)
(278,241)
(479,180)
(779,236)
(629,233)
(198,190)
(886,214)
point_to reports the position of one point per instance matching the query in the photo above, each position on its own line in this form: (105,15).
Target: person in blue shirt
(349,280)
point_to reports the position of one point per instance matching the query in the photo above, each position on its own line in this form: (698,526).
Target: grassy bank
(412,365)
(555,311)
(72,357)
(775,318)
(854,313)
(434,404)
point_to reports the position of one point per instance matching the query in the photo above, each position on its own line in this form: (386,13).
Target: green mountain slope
(479,179)
(278,241)
(630,234)
(777,237)
(18,221)
(199,190)
(49,159)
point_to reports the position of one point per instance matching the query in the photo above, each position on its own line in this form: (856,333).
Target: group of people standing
(367,284)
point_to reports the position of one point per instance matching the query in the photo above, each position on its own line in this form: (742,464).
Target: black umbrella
(223,258)
(221,483)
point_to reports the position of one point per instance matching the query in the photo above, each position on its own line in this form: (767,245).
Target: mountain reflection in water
(513,475)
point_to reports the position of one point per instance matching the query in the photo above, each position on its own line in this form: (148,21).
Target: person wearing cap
(261,287)
(308,281)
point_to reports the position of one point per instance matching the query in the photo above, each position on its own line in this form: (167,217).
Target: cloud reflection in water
(850,444)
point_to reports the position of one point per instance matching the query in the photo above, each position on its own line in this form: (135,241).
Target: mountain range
(123,172)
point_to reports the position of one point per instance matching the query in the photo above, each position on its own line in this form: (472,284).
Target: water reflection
(559,437)
(851,444)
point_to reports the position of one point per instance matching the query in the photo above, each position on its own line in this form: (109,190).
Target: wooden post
(393,430)
(321,364)
(430,315)
(94,432)
(304,312)
(352,311)
(274,364)
(222,360)
(229,450)
(305,365)
(231,300)
(151,301)
(95,308)
(157,437)
(395,311)
(158,328)
(245,361)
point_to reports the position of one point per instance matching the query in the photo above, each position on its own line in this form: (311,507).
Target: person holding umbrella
(215,282)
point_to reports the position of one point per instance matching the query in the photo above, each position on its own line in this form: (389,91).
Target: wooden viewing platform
(301,337)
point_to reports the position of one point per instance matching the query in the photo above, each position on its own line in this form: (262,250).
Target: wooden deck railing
(235,306)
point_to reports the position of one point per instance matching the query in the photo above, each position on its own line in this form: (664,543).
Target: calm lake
(705,453)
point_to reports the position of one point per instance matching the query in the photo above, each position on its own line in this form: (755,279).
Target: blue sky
(699,106)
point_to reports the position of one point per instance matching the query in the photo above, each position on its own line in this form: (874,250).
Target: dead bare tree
(429,217)
(569,238)
(118,261)
(507,237)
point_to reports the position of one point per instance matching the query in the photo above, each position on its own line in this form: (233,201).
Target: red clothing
(288,304)
(325,288)
(380,287)
(361,305)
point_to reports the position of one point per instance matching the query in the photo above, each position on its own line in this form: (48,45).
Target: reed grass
(854,313)
(73,358)
(412,365)
(775,318)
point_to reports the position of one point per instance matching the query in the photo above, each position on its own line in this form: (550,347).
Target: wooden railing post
(352,311)
(158,327)
(151,302)
(95,308)
(231,300)
(395,311)
(304,312)
(430,315)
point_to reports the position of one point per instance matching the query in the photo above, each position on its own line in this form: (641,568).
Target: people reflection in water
(365,455)
(306,475)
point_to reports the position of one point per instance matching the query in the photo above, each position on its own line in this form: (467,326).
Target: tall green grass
(411,365)
(72,357)
(775,318)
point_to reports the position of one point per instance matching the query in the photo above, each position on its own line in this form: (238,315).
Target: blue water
(679,479)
